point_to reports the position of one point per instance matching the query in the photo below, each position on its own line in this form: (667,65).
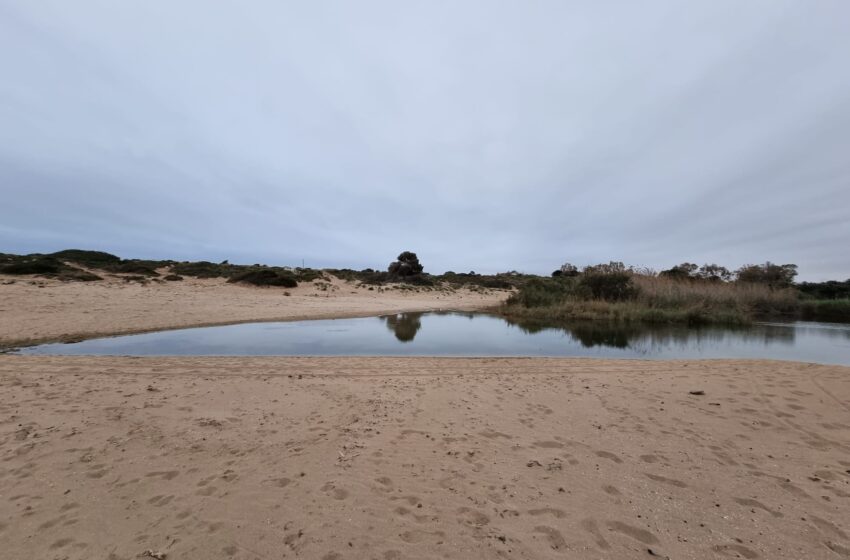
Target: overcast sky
(484,136)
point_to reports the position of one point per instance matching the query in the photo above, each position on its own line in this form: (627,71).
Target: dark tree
(567,270)
(681,271)
(406,265)
(714,273)
(774,275)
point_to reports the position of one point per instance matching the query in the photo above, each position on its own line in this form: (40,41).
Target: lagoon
(476,334)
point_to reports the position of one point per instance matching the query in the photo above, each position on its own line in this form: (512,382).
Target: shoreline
(71,338)
(41,311)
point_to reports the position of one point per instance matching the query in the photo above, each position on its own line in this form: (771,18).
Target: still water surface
(464,334)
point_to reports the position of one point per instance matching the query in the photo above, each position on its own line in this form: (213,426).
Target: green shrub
(613,286)
(85,257)
(71,274)
(130,267)
(265,277)
(543,292)
(38,265)
(202,269)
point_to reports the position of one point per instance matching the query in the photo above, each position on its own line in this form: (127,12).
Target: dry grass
(655,300)
(666,293)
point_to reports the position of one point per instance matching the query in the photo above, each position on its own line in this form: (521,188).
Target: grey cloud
(482,135)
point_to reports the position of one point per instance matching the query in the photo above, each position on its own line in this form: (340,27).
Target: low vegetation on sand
(78,264)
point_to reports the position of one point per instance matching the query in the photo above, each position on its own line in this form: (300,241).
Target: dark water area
(469,334)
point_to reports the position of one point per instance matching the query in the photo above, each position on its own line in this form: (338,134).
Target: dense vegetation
(686,293)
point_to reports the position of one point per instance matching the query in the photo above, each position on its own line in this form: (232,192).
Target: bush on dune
(83,257)
(37,265)
(202,269)
(264,277)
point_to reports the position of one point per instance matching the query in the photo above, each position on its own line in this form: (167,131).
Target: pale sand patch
(422,458)
(40,310)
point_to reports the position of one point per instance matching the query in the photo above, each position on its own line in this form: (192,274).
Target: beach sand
(400,458)
(385,458)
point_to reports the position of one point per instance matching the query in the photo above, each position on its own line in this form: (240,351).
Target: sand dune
(41,310)
(385,458)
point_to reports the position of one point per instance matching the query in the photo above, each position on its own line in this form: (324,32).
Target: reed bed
(653,299)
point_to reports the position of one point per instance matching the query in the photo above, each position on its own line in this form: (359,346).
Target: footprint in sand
(472,517)
(555,538)
(413,537)
(554,512)
(665,480)
(336,493)
(609,455)
(735,551)
(636,533)
(611,490)
(747,502)
(591,527)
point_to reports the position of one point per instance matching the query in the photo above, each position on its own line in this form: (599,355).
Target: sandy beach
(397,458)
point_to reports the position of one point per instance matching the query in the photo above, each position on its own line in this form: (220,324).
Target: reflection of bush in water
(637,336)
(588,334)
(617,336)
(405,325)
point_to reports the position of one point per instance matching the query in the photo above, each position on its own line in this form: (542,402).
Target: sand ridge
(384,458)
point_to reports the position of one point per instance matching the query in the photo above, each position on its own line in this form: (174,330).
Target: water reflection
(468,334)
(404,325)
(649,338)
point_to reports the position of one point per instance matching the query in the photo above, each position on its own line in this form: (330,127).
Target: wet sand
(392,458)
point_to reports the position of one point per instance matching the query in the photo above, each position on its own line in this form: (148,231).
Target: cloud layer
(482,135)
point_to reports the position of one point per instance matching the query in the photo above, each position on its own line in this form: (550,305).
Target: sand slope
(389,458)
(40,310)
